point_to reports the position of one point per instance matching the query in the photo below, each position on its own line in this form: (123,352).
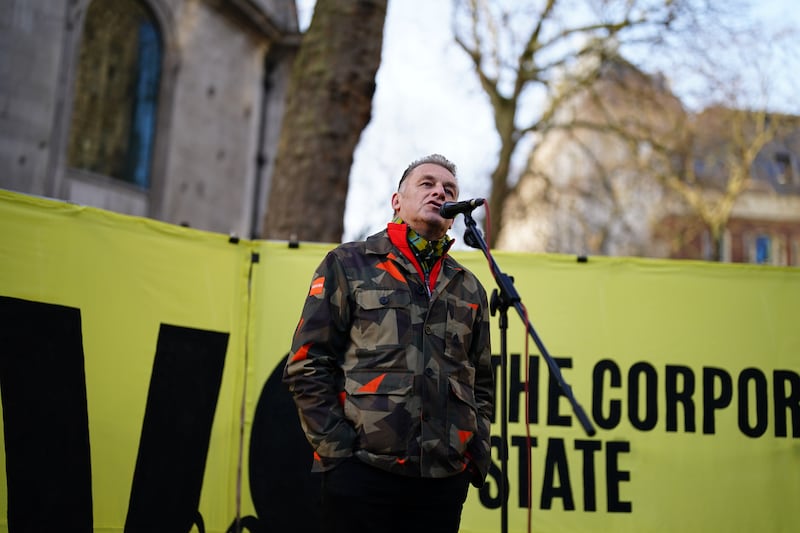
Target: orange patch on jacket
(373,384)
(302,353)
(317,286)
(389,267)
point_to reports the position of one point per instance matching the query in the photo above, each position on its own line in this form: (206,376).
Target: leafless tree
(582,190)
(532,57)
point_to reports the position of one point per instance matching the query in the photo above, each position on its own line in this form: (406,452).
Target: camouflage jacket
(385,370)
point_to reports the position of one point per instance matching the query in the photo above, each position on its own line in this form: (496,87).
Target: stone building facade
(168,109)
(591,189)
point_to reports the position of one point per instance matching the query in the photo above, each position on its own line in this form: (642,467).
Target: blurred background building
(629,171)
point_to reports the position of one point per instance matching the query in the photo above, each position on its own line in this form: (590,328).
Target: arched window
(116,92)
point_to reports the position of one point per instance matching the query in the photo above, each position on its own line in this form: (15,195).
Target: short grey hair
(436,159)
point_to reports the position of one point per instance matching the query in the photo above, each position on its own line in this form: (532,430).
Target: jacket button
(384,300)
(429,372)
(428,330)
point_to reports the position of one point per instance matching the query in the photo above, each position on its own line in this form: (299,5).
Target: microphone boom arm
(509,296)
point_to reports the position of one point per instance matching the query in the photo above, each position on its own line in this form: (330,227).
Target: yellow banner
(690,374)
(123,369)
(140,380)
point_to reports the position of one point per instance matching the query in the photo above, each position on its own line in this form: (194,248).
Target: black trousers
(358,498)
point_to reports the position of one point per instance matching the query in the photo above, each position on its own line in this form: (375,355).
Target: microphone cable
(526,395)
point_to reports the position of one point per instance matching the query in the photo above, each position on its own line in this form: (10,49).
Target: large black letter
(556,459)
(650,396)
(760,381)
(43,385)
(286,494)
(614,406)
(711,402)
(614,476)
(184,387)
(589,485)
(787,401)
(523,460)
(516,388)
(554,393)
(673,397)
(495,473)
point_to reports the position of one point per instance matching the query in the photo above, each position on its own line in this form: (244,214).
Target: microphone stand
(501,300)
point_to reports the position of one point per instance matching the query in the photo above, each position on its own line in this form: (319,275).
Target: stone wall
(220,105)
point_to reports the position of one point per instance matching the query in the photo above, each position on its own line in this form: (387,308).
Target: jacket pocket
(381,318)
(378,405)
(462,417)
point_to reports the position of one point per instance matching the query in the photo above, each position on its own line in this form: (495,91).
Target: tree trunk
(500,189)
(329,104)
(717,234)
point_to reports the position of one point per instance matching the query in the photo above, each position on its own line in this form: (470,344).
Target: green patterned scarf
(427,252)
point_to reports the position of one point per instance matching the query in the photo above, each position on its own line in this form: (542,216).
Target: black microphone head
(451,209)
(448,210)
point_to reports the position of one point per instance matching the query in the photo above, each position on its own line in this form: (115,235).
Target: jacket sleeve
(312,372)
(481,354)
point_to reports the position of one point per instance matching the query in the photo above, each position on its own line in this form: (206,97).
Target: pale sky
(428,100)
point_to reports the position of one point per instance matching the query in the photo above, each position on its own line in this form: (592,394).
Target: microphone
(451,209)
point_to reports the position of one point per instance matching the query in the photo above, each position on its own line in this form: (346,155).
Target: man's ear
(395,201)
